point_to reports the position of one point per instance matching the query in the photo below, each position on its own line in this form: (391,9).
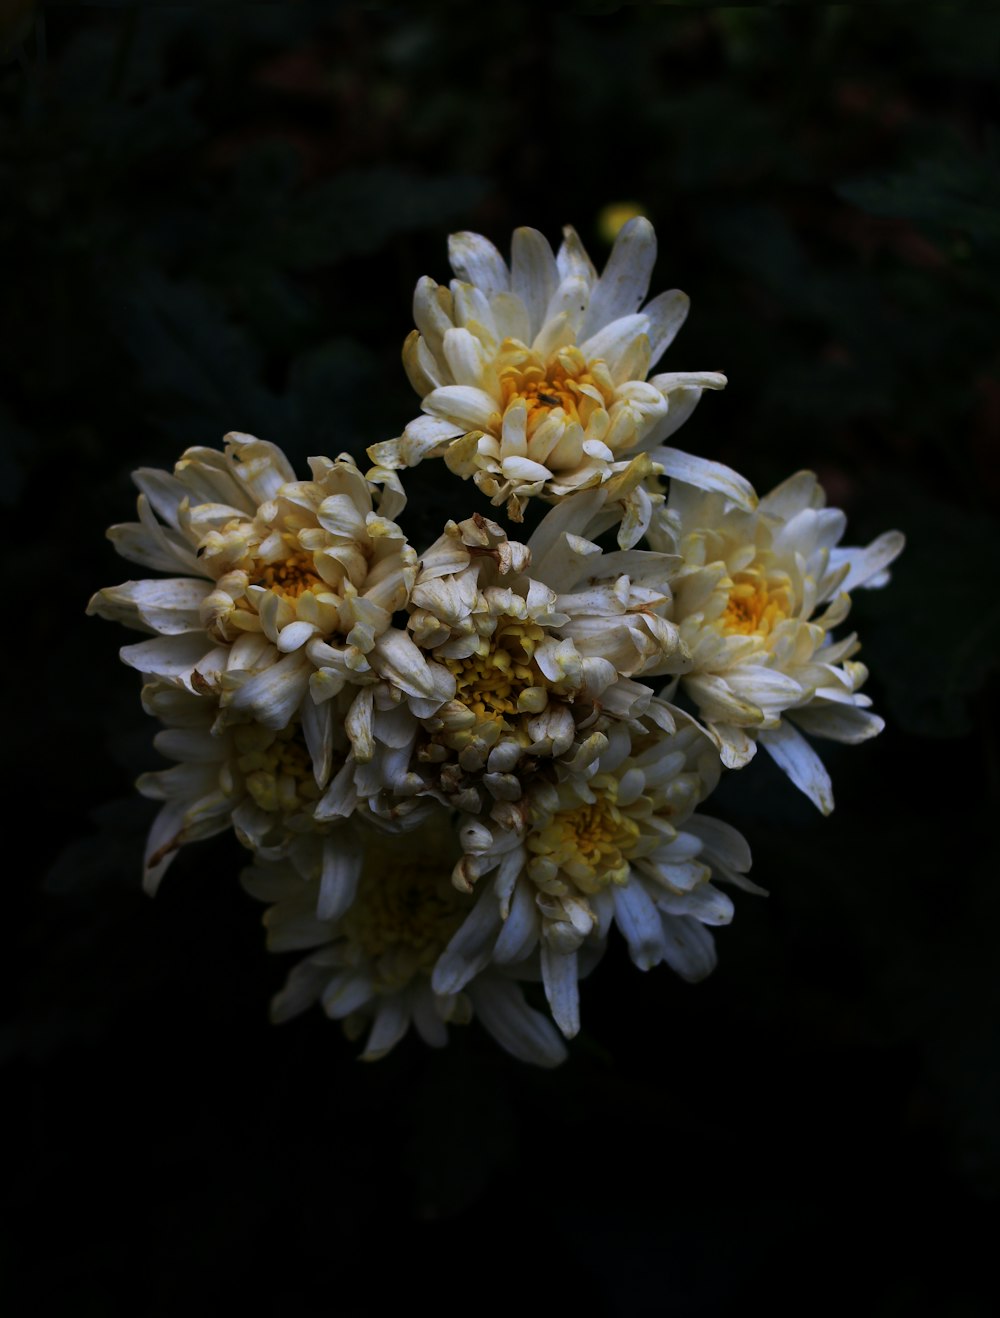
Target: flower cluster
(461,766)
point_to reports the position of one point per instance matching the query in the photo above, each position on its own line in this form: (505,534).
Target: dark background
(212,218)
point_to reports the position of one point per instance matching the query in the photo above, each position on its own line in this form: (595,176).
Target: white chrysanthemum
(272,786)
(614,842)
(372,967)
(283,581)
(533,377)
(533,644)
(756,599)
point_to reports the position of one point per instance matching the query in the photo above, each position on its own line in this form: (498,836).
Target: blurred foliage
(212,218)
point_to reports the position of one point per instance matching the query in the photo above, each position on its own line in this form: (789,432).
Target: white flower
(535,646)
(269,785)
(615,841)
(283,582)
(756,599)
(533,377)
(372,967)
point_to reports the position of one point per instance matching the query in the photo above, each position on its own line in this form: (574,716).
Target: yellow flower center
(756,603)
(565,381)
(276,767)
(404,913)
(591,844)
(291,576)
(489,682)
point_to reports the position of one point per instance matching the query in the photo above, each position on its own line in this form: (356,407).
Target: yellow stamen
(291,576)
(757,603)
(490,681)
(276,767)
(561,382)
(590,844)
(404,914)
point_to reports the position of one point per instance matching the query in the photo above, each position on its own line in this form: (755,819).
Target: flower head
(615,840)
(269,785)
(282,579)
(535,646)
(372,965)
(533,377)
(756,598)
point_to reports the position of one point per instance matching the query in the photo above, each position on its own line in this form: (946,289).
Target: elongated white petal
(689,948)
(392,1020)
(339,879)
(534,275)
(475,259)
(871,561)
(518,1028)
(428,1022)
(520,929)
(463,404)
(169,606)
(625,279)
(167,656)
(469,949)
(724,841)
(639,921)
(346,993)
(844,723)
(706,475)
(666,314)
(795,757)
(273,696)
(559,975)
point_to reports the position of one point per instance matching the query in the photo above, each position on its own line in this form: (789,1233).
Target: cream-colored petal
(625,278)
(475,259)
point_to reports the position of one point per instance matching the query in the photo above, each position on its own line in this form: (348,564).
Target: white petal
(164,492)
(346,993)
(795,757)
(518,1028)
(706,475)
(273,696)
(430,1026)
(167,656)
(613,341)
(559,975)
(639,921)
(169,606)
(562,315)
(705,904)
(260,467)
(625,279)
(391,1023)
(523,469)
(791,496)
(463,404)
(429,314)
(572,259)
(689,948)
(721,839)
(534,275)
(339,879)
(666,313)
(464,356)
(301,989)
(317,726)
(475,259)
(844,723)
(869,562)
(470,946)
(295,635)
(520,929)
